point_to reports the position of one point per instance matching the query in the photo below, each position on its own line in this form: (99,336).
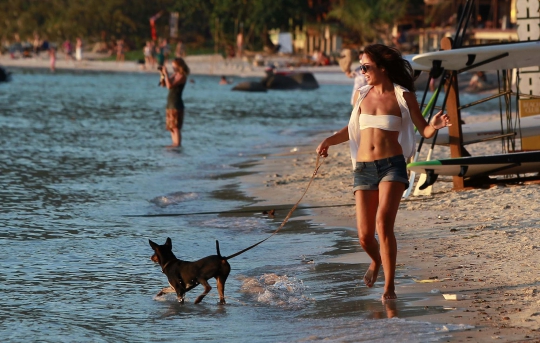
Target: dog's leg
(180,294)
(220,280)
(207,289)
(180,298)
(165,290)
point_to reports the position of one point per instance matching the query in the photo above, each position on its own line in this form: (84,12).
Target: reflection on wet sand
(384,309)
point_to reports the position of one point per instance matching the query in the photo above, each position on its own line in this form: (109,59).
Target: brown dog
(183,276)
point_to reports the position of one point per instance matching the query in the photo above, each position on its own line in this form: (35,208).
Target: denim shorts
(368,175)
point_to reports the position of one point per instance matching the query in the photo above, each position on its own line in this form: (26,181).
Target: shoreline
(480,245)
(212,65)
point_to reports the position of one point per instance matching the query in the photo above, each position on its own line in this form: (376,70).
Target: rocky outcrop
(250,86)
(305,81)
(4,75)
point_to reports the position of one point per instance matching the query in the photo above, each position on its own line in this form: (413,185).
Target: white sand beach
(481,245)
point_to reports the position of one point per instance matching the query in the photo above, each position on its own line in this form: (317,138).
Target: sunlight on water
(82,151)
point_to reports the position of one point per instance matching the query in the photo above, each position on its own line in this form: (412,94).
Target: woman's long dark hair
(399,70)
(182,64)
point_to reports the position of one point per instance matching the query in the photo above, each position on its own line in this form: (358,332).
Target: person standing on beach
(383,117)
(36,44)
(147,52)
(68,49)
(78,49)
(160,53)
(120,53)
(175,83)
(166,49)
(180,50)
(345,62)
(239,44)
(359,79)
(52,58)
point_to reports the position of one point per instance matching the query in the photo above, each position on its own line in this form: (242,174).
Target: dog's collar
(165,266)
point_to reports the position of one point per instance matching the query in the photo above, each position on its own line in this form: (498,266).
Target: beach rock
(281,82)
(4,75)
(305,80)
(291,81)
(250,86)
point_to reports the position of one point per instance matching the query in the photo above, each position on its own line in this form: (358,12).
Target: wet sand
(480,246)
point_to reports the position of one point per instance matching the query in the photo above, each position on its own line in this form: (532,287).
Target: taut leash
(317,166)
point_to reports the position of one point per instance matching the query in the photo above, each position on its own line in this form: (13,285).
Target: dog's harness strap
(317,166)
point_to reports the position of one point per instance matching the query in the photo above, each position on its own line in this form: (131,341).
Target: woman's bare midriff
(376,144)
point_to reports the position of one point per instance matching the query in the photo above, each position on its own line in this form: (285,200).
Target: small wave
(174,198)
(275,290)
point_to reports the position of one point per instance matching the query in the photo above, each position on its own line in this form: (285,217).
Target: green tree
(199,20)
(226,17)
(371,19)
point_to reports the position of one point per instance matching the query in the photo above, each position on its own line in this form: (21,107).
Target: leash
(317,166)
(225,212)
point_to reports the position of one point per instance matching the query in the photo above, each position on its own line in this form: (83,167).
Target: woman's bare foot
(389,295)
(371,275)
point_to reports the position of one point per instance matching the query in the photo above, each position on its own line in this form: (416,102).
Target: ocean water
(86,180)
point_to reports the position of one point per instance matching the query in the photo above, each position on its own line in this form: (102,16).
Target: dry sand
(205,64)
(199,65)
(481,245)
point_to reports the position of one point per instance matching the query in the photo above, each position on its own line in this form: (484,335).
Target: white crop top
(406,136)
(383,122)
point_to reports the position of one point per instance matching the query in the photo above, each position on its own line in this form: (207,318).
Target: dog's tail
(217,248)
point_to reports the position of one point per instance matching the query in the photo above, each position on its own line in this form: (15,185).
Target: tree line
(202,22)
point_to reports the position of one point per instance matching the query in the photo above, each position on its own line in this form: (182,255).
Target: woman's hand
(439,121)
(322,149)
(164,70)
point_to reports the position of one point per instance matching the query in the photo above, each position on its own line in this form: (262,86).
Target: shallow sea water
(81,152)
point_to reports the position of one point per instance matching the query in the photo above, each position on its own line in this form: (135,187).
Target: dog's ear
(168,242)
(152,244)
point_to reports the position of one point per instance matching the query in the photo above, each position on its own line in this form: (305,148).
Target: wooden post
(452,108)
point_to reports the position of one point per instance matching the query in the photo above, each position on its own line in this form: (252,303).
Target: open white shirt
(406,136)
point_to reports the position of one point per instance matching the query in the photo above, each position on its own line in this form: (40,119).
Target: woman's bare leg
(366,209)
(176,138)
(389,199)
